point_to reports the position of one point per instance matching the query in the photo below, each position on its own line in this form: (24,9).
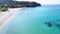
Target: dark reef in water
(58,20)
(58,26)
(49,24)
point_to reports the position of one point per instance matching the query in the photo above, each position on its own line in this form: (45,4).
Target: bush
(3,9)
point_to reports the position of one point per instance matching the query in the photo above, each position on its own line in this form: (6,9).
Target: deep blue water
(32,21)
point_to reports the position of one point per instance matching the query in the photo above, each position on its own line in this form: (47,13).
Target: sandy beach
(6,16)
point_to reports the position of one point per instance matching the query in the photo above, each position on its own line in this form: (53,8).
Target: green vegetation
(17,4)
(3,8)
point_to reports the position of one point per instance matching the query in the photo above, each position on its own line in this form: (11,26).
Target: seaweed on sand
(54,23)
(58,20)
(49,24)
(58,26)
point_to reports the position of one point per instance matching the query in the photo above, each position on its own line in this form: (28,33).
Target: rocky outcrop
(19,4)
(5,1)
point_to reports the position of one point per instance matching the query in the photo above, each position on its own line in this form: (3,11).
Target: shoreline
(10,14)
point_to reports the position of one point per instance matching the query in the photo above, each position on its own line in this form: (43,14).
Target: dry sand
(6,16)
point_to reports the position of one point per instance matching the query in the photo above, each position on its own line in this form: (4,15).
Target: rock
(5,1)
(49,24)
(19,4)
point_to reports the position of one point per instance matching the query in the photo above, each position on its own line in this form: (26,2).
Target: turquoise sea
(33,21)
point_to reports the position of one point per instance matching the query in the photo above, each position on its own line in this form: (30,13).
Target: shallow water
(32,21)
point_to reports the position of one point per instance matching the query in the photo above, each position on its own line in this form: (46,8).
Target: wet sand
(6,16)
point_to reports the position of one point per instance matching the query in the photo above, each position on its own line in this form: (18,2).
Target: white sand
(6,16)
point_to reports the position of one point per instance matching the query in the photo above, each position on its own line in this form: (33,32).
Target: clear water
(32,21)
